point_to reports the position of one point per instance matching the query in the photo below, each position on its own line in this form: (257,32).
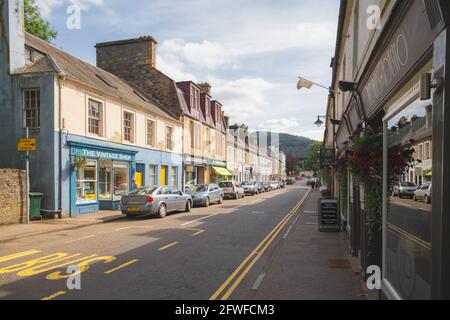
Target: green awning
(222,171)
(429,174)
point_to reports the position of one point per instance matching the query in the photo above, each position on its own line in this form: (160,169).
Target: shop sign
(89,153)
(411,40)
(327,157)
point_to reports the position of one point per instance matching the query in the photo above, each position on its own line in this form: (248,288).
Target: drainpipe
(60,80)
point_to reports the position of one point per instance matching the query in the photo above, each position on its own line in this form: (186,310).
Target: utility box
(35,205)
(329,217)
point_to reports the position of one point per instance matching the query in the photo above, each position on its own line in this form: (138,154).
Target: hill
(294,146)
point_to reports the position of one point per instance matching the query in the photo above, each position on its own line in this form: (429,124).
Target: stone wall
(12,196)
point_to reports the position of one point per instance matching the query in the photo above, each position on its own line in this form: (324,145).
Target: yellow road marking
(53,296)
(168,246)
(122,266)
(18,255)
(255,254)
(79,239)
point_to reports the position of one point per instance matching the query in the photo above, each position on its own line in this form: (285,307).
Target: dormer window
(207,106)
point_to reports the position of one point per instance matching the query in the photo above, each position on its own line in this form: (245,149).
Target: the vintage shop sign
(409,43)
(90,153)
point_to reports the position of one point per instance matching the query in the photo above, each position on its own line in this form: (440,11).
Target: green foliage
(35,24)
(343,192)
(312,161)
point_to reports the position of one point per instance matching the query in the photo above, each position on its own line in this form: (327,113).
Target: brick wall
(12,196)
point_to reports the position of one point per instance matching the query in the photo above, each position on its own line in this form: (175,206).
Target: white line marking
(287,232)
(402,204)
(258,212)
(79,239)
(186,223)
(258,281)
(132,227)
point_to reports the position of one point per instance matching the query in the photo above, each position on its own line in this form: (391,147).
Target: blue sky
(251,51)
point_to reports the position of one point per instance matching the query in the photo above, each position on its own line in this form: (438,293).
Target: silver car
(232,190)
(250,187)
(423,193)
(155,201)
(274,185)
(404,189)
(205,194)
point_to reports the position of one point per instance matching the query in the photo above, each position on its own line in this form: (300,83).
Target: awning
(222,171)
(429,174)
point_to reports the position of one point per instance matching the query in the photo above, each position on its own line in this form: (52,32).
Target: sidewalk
(309,264)
(18,231)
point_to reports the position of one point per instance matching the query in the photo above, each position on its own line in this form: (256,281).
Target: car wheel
(129,216)
(207,202)
(427,200)
(162,211)
(414,198)
(188,206)
(220,199)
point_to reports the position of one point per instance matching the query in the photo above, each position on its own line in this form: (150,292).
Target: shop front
(100,176)
(219,171)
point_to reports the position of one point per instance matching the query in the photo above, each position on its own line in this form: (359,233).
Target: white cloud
(244,98)
(282,124)
(205,54)
(46,6)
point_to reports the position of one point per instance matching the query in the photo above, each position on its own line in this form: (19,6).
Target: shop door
(163,179)
(139,175)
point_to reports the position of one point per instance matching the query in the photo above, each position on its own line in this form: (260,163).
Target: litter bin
(35,205)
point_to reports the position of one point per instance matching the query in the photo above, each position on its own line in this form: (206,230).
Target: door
(168,198)
(163,178)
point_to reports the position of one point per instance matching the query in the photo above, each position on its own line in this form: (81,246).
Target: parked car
(423,193)
(290,181)
(404,189)
(232,190)
(274,185)
(205,194)
(250,187)
(261,188)
(155,201)
(266,186)
(282,184)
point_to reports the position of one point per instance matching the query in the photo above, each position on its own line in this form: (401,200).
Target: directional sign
(27,145)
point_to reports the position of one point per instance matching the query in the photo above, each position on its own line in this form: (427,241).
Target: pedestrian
(313,184)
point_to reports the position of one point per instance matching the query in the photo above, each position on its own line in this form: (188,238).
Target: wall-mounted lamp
(319,122)
(347,86)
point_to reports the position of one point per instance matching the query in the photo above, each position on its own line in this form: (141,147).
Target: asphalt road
(205,254)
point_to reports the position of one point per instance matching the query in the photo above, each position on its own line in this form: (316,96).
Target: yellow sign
(27,145)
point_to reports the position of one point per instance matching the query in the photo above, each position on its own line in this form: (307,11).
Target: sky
(251,51)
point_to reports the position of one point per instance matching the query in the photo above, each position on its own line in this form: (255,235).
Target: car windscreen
(199,188)
(142,191)
(225,184)
(246,183)
(407,184)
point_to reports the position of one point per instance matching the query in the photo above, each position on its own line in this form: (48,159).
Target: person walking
(313,184)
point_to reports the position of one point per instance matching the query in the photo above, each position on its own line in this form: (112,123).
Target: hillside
(294,146)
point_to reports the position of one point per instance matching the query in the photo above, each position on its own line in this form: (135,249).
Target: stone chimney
(126,57)
(12,42)
(206,87)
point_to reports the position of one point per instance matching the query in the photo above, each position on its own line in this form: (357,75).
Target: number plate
(133,209)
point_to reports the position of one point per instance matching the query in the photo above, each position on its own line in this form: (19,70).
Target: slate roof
(56,60)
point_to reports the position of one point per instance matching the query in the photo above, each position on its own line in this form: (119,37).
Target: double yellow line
(237,276)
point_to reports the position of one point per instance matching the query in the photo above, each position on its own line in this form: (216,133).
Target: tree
(35,23)
(312,161)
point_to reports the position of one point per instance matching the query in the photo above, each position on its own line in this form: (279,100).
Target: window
(32,107)
(152,176)
(174,176)
(105,179)
(192,133)
(208,139)
(95,117)
(151,129)
(128,126)
(218,143)
(86,183)
(420,152)
(197,137)
(121,179)
(207,106)
(427,151)
(169,137)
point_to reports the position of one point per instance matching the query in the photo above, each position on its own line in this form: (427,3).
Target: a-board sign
(329,218)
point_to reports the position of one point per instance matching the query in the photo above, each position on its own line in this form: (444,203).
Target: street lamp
(319,122)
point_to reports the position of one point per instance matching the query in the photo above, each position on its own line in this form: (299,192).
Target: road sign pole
(27,161)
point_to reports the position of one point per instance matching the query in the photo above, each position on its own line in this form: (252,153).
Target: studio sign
(395,58)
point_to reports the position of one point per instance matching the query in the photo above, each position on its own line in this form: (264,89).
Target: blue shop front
(100,176)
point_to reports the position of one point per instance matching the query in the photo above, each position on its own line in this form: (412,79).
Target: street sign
(329,215)
(27,144)
(327,157)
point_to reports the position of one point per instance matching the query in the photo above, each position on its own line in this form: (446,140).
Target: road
(205,254)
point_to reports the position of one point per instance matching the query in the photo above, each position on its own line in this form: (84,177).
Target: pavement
(34,228)
(218,252)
